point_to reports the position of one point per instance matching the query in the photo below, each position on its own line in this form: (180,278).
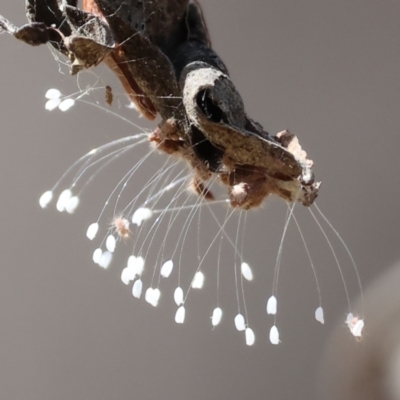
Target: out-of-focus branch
(370,370)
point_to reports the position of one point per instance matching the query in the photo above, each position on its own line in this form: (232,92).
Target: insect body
(121,227)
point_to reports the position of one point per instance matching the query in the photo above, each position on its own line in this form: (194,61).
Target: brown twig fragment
(162,55)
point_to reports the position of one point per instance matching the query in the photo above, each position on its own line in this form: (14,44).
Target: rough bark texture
(161,52)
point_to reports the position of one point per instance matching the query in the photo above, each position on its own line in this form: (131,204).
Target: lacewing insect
(165,63)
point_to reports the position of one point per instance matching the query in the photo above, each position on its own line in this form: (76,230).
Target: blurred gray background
(328,71)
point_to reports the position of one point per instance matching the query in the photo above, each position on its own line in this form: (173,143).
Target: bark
(161,52)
